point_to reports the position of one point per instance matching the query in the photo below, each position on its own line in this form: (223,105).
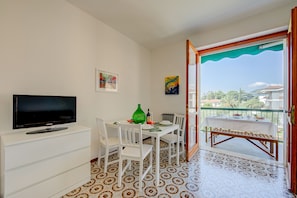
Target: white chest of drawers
(44,165)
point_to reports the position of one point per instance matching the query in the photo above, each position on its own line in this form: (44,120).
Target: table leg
(211,139)
(276,151)
(206,134)
(157,160)
(177,150)
(271,146)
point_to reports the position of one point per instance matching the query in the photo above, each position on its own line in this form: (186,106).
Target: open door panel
(192,101)
(291,133)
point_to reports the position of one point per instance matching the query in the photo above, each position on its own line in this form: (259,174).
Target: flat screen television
(43,110)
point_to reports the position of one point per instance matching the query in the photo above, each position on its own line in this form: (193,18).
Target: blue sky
(247,72)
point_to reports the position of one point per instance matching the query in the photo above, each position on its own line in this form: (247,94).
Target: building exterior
(272,96)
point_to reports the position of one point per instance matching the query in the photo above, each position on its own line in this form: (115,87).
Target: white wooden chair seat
(171,138)
(132,153)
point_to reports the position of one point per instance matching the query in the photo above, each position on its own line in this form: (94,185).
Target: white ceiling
(153,23)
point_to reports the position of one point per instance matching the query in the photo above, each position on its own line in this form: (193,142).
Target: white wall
(51,47)
(171,60)
(168,61)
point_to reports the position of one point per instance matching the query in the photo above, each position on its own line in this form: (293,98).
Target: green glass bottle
(138,115)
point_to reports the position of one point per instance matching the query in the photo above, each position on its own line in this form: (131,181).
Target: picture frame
(172,85)
(106,81)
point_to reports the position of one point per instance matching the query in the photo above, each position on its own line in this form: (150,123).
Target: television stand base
(47,130)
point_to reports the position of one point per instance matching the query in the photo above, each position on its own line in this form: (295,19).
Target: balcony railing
(275,116)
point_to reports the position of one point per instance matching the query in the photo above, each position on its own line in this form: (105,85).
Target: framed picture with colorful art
(106,81)
(172,85)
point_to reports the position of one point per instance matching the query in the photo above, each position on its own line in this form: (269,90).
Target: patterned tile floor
(210,174)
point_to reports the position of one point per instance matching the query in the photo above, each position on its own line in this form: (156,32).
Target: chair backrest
(103,138)
(131,136)
(180,119)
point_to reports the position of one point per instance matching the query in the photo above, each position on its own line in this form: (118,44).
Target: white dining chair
(133,149)
(110,144)
(171,138)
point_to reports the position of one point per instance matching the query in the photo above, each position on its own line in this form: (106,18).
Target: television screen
(38,110)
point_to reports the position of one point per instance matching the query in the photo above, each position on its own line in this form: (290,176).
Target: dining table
(156,132)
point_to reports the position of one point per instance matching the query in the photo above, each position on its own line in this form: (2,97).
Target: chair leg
(120,173)
(183,149)
(106,159)
(140,174)
(169,153)
(99,159)
(99,155)
(151,161)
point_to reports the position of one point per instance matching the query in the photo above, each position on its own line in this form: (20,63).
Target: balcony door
(291,134)
(192,101)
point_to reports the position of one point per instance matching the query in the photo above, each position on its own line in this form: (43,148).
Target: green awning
(252,50)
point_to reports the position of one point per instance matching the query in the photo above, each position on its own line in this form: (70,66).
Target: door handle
(292,112)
